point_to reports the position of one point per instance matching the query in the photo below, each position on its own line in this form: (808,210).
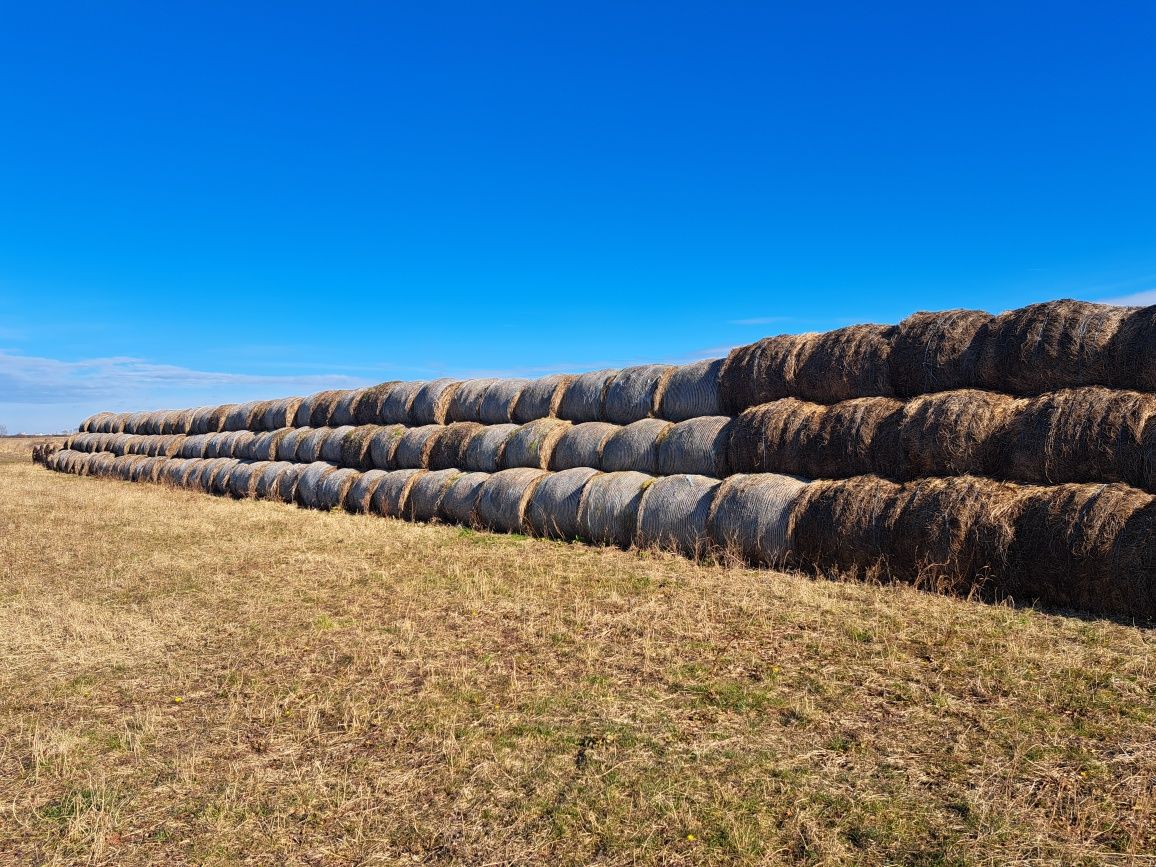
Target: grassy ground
(186,679)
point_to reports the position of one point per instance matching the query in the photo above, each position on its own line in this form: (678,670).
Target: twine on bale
(460,497)
(673,514)
(581,445)
(634,391)
(431,402)
(264,445)
(541,397)
(532,444)
(750,515)
(635,446)
(503,498)
(240,481)
(343,409)
(287,446)
(265,486)
(608,512)
(208,419)
(358,497)
(241,416)
(324,407)
(692,391)
(286,487)
(553,508)
(697,446)
(310,445)
(585,396)
(936,351)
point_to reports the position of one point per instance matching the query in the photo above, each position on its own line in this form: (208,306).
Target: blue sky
(210,202)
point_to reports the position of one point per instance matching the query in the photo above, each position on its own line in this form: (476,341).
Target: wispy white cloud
(761,320)
(1143,298)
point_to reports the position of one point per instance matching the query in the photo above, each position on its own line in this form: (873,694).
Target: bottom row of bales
(1083,546)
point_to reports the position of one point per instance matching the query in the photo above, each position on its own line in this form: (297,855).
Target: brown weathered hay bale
(541,397)
(697,446)
(179,421)
(241,441)
(334,487)
(1133,350)
(449,449)
(608,512)
(265,481)
(750,516)
(763,371)
(355,447)
(199,473)
(952,433)
(280,414)
(532,444)
(634,391)
(692,391)
(219,479)
(842,525)
(147,469)
(395,404)
(502,500)
(553,507)
(635,446)
(936,351)
(848,362)
(383,444)
(152,424)
(324,408)
(242,479)
(585,396)
(368,409)
(389,496)
(155,471)
(285,487)
(305,410)
(208,419)
(431,402)
(498,401)
(309,485)
(89,425)
(344,410)
(466,401)
(264,445)
(460,497)
(135,423)
(310,445)
(287,447)
(1045,347)
(415,445)
(213,443)
(426,494)
(332,448)
(673,514)
(1133,595)
(483,452)
(581,445)
(361,491)
(122,465)
(119,441)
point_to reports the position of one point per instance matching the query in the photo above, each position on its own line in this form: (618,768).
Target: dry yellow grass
(196,680)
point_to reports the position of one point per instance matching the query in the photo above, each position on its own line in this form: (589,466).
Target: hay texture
(309,485)
(285,489)
(392,490)
(449,450)
(394,406)
(415,445)
(483,452)
(635,447)
(540,398)
(368,410)
(502,500)
(498,401)
(532,444)
(431,402)
(241,416)
(553,508)
(358,497)
(334,444)
(585,396)
(355,450)
(750,514)
(310,445)
(581,445)
(460,497)
(692,391)
(936,351)
(634,393)
(673,514)
(763,371)
(265,484)
(466,402)
(425,496)
(334,488)
(698,446)
(849,362)
(608,512)
(954,433)
(280,414)
(383,445)
(287,445)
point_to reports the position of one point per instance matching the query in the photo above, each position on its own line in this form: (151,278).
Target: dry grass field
(191,680)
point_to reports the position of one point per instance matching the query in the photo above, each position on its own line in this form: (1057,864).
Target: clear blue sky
(203,202)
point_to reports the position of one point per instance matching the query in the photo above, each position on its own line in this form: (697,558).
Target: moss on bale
(540,398)
(355,451)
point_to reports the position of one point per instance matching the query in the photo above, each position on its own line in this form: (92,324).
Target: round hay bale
(1045,347)
(135,423)
(119,441)
(484,449)
(395,404)
(585,396)
(1133,351)
(498,401)
(179,421)
(288,444)
(361,491)
(281,413)
(334,444)
(849,362)
(383,444)
(952,433)
(241,444)
(502,500)
(750,516)
(265,479)
(426,494)
(553,508)
(170,447)
(334,488)
(208,419)
(843,526)
(673,514)
(415,445)
(449,449)
(156,471)
(264,445)
(305,410)
(212,445)
(355,448)
(368,409)
(1133,594)
(242,478)
(285,487)
(608,513)
(90,423)
(344,409)
(532,444)
(309,485)
(219,479)
(692,391)
(936,351)
(540,398)
(222,416)
(633,393)
(324,407)
(466,401)
(98,422)
(460,497)
(220,445)
(635,446)
(145,470)
(581,445)
(310,445)
(392,490)
(697,446)
(431,402)
(763,371)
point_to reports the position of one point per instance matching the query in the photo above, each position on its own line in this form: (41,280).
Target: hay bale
(673,514)
(532,444)
(285,488)
(334,487)
(324,406)
(264,445)
(849,362)
(305,410)
(1133,594)
(89,424)
(151,424)
(763,371)
(608,513)
(431,402)
(213,444)
(241,442)
(208,419)
(750,516)
(179,421)
(425,496)
(1045,347)
(219,478)
(334,444)
(502,500)
(585,396)
(309,485)
(936,351)
(554,504)
(449,449)
(697,446)
(266,479)
(634,392)
(355,447)
(368,409)
(466,401)
(310,445)
(135,423)
(581,445)
(145,471)
(842,525)
(281,413)
(952,433)
(483,452)
(358,496)
(242,479)
(498,401)
(392,490)
(395,404)
(344,409)
(383,444)
(415,445)
(1133,351)
(635,446)
(288,444)
(460,497)
(692,391)
(541,397)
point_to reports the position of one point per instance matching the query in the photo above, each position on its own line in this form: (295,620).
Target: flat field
(192,680)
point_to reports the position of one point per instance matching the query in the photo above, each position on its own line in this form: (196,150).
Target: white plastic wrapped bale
(414,447)
(635,447)
(331,448)
(484,449)
(460,497)
(750,516)
(553,508)
(392,490)
(265,486)
(360,493)
(280,413)
(503,498)
(466,402)
(497,404)
(541,397)
(394,408)
(334,487)
(287,447)
(585,396)
(609,509)
(581,445)
(286,488)
(532,444)
(697,446)
(692,391)
(633,394)
(309,485)
(674,512)
(426,494)
(432,401)
(310,445)
(383,444)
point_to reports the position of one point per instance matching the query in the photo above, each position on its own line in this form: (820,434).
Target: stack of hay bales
(1010,455)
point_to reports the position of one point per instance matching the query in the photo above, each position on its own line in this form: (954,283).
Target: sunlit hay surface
(196,680)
